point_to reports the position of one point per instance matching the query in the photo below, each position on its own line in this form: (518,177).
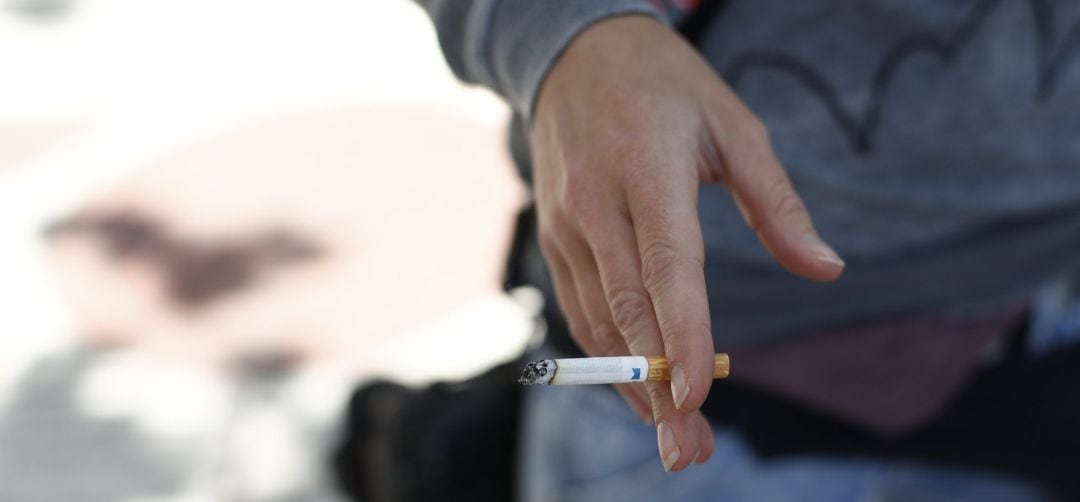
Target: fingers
(772,208)
(605,338)
(679,434)
(565,294)
(667,236)
(591,328)
(707,440)
(614,261)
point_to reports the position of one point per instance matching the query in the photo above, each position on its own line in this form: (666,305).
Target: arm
(626,123)
(509,46)
(629,122)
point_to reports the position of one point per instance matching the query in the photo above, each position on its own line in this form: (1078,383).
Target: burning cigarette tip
(539,372)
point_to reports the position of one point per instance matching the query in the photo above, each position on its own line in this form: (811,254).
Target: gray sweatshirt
(936,144)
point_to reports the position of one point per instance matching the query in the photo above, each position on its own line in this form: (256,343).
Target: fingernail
(822,251)
(680,388)
(669,451)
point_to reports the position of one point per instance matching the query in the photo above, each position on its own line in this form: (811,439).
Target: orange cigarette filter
(658,368)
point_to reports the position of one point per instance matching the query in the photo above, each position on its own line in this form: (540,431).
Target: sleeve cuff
(528,36)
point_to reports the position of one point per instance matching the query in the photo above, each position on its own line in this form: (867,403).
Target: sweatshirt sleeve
(508,46)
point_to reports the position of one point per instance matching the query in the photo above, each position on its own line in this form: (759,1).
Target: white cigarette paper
(600,370)
(590,370)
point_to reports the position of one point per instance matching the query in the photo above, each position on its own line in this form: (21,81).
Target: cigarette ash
(538,373)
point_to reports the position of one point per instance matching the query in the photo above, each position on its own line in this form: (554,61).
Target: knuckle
(629,308)
(548,242)
(577,194)
(580,203)
(754,131)
(630,161)
(785,203)
(788,203)
(672,330)
(555,234)
(658,261)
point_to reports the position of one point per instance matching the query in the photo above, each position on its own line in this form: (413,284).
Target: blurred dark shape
(41,10)
(454,442)
(123,235)
(197,272)
(266,370)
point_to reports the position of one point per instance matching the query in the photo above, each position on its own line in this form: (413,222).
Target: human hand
(627,124)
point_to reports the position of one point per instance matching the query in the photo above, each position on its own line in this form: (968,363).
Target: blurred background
(216,220)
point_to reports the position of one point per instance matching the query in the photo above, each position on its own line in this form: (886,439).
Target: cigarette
(603,370)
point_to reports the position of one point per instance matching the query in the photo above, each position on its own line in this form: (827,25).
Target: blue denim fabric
(1055,317)
(584,444)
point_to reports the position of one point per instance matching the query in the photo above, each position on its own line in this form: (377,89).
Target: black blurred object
(447,442)
(694,26)
(1021,417)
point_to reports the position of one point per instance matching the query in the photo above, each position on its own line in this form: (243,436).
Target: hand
(628,122)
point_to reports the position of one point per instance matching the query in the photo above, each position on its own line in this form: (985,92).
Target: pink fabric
(888,377)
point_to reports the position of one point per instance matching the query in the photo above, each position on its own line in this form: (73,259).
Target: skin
(628,123)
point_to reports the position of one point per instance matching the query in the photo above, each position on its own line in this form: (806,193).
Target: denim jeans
(583,443)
